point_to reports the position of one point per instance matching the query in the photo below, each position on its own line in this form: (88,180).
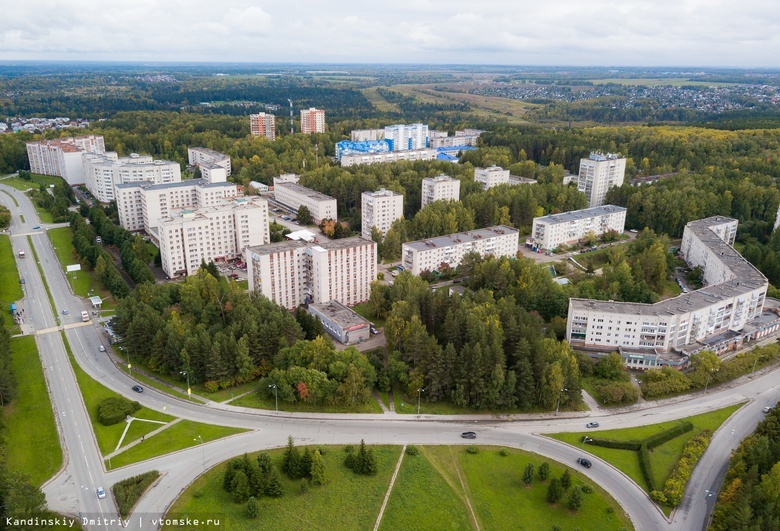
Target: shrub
(658,496)
(587,489)
(646,467)
(211,386)
(472,449)
(128,491)
(665,436)
(617,445)
(503,452)
(198,494)
(674,488)
(114,409)
(252,508)
(612,393)
(304,486)
(412,450)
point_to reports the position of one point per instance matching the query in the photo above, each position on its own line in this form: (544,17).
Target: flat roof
(440,178)
(577,215)
(339,314)
(343,243)
(308,192)
(461,237)
(382,192)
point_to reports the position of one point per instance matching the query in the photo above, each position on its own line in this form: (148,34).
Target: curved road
(72,491)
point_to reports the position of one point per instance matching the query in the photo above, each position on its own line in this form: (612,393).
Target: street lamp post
(187,374)
(754,365)
(558,406)
(204,451)
(582,450)
(276,396)
(420,391)
(708,379)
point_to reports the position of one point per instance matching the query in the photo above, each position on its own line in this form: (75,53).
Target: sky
(712,33)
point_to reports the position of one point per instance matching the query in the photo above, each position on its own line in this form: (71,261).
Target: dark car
(584,462)
(138,389)
(468,435)
(592,425)
(22,280)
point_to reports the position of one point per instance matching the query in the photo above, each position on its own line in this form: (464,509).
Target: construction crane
(291,116)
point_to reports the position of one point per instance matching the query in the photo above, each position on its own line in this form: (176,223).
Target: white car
(767,409)
(101,493)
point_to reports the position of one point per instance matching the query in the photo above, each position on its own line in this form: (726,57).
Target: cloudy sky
(725,33)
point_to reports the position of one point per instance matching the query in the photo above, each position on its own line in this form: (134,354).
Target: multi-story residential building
(294,196)
(466,137)
(345,325)
(440,188)
(726,312)
(429,254)
(379,209)
(599,173)
(350,159)
(62,157)
(217,233)
(568,228)
(103,172)
(363,135)
(292,273)
(401,137)
(287,178)
(312,121)
(491,176)
(199,156)
(263,124)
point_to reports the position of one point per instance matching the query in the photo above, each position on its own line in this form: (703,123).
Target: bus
(85,316)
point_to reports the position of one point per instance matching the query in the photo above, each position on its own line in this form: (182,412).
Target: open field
(10,287)
(260,400)
(36,182)
(81,281)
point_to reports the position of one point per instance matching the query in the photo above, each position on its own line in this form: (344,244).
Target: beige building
(429,254)
(495,176)
(292,273)
(599,173)
(568,228)
(312,121)
(294,196)
(387,156)
(263,124)
(364,135)
(62,157)
(200,156)
(216,233)
(103,172)
(380,209)
(440,188)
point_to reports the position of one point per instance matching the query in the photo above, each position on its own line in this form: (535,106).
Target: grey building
(341,322)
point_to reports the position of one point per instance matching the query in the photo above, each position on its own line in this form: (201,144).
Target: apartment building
(293,195)
(402,137)
(217,233)
(102,172)
(379,209)
(726,312)
(466,137)
(62,157)
(364,135)
(599,173)
(292,273)
(263,124)
(491,176)
(430,254)
(568,228)
(350,159)
(312,121)
(200,156)
(440,188)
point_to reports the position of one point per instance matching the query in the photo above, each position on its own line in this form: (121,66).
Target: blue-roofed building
(348,147)
(450,153)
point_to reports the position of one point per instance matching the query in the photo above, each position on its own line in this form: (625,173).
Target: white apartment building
(287,178)
(312,121)
(216,233)
(440,188)
(429,254)
(62,157)
(568,228)
(293,195)
(292,273)
(492,176)
(599,173)
(403,137)
(199,156)
(725,312)
(351,159)
(263,124)
(103,172)
(364,135)
(379,209)
(466,137)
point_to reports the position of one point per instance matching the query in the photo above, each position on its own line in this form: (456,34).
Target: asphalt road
(72,491)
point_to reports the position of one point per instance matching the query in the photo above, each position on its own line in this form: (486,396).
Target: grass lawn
(363,311)
(260,401)
(10,287)
(30,418)
(225,395)
(179,436)
(44,214)
(62,241)
(36,182)
(663,458)
(154,382)
(349,499)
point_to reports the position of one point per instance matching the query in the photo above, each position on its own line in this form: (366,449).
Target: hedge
(674,488)
(128,491)
(647,467)
(114,409)
(617,445)
(665,436)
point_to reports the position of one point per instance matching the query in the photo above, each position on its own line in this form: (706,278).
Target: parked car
(101,493)
(374,330)
(22,280)
(767,409)
(468,435)
(101,348)
(138,389)
(584,462)
(592,425)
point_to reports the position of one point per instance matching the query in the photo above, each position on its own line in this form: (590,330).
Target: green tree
(528,474)
(22,498)
(554,490)
(274,487)
(317,469)
(566,479)
(291,460)
(304,215)
(252,508)
(544,471)
(240,487)
(575,499)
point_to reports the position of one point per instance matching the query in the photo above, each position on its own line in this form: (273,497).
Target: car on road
(138,389)
(36,227)
(468,435)
(101,348)
(22,280)
(101,493)
(592,425)
(584,462)
(767,409)
(65,312)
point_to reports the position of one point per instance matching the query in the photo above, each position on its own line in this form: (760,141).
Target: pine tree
(554,490)
(575,499)
(544,471)
(566,479)
(306,462)
(317,469)
(252,508)
(528,474)
(291,461)
(264,462)
(274,487)
(240,487)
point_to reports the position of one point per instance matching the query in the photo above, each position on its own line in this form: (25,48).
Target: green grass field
(225,395)
(10,287)
(260,401)
(36,182)
(80,281)
(363,311)
(663,458)
(30,418)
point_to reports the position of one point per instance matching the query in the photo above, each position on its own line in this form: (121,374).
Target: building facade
(492,176)
(363,135)
(263,124)
(729,309)
(350,159)
(345,325)
(380,209)
(568,228)
(199,156)
(440,188)
(429,254)
(294,196)
(599,173)
(298,272)
(62,157)
(188,237)
(312,121)
(103,172)
(403,137)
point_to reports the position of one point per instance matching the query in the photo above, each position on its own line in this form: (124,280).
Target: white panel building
(364,135)
(429,254)
(380,209)
(62,157)
(403,137)
(103,172)
(599,173)
(292,273)
(350,159)
(440,188)
(199,156)
(568,228)
(294,195)
(726,311)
